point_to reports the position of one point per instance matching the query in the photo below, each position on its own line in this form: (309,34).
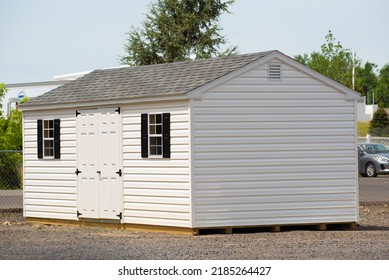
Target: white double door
(99,180)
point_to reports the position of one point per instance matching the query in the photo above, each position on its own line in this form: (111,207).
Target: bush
(379,125)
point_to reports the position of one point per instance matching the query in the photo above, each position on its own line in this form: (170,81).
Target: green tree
(11,162)
(379,125)
(366,80)
(383,85)
(333,61)
(10,139)
(11,129)
(178,30)
(3,91)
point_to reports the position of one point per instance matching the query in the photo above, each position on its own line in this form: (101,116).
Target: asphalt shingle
(143,81)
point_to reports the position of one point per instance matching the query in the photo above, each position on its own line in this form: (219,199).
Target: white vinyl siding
(273,152)
(50,184)
(156,190)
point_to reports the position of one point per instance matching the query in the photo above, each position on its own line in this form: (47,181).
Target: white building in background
(17,91)
(365,112)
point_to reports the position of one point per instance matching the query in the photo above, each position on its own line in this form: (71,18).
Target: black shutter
(40,138)
(57,138)
(144,136)
(166,135)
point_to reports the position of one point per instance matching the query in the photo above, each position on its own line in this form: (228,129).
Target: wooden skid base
(276,228)
(113,224)
(192,231)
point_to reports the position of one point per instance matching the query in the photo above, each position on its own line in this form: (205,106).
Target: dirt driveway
(20,240)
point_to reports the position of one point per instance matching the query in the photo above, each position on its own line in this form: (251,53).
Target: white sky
(43,38)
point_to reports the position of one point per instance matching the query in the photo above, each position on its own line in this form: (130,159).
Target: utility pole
(353,73)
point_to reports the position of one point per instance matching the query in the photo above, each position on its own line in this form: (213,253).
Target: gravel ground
(21,240)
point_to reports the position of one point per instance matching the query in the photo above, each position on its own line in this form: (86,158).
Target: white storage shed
(241,141)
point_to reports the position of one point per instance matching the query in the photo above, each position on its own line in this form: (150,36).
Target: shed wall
(157,190)
(50,189)
(273,152)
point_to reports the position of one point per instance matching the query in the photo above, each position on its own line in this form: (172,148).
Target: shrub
(379,125)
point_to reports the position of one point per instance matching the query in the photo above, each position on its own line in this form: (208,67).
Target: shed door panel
(109,161)
(87,153)
(99,160)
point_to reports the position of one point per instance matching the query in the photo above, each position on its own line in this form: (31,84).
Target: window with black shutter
(155,135)
(49,142)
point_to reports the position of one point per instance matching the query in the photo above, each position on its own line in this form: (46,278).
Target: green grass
(363,129)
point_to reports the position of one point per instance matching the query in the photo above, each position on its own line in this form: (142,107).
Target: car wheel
(370,170)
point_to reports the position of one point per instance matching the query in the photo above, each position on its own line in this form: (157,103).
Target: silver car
(373,159)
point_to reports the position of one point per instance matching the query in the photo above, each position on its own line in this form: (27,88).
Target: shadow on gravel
(374,217)
(372,228)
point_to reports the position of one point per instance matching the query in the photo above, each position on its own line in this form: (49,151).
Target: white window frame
(155,134)
(46,137)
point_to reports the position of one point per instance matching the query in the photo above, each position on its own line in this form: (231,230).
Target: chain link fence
(371,190)
(11,182)
(376,140)
(374,189)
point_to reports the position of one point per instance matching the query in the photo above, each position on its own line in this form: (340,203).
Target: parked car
(373,160)
(375,148)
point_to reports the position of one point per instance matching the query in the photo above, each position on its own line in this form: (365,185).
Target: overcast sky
(43,38)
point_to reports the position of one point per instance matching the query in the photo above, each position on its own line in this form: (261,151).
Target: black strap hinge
(118,110)
(119,172)
(119,215)
(78,214)
(77,113)
(77,172)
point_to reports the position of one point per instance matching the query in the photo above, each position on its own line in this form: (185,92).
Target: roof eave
(88,104)
(349,93)
(196,93)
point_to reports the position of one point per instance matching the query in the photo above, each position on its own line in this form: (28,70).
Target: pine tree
(379,125)
(178,30)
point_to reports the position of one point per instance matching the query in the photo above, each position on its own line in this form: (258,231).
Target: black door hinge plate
(78,214)
(118,110)
(119,215)
(119,172)
(77,113)
(77,172)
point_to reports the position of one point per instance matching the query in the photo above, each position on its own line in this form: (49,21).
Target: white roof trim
(118,102)
(349,93)
(197,92)
(35,84)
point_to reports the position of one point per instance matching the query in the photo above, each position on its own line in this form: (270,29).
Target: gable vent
(274,72)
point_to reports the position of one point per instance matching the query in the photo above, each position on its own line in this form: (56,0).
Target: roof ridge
(189,61)
(174,78)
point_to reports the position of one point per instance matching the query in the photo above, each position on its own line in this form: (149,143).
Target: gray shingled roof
(142,81)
